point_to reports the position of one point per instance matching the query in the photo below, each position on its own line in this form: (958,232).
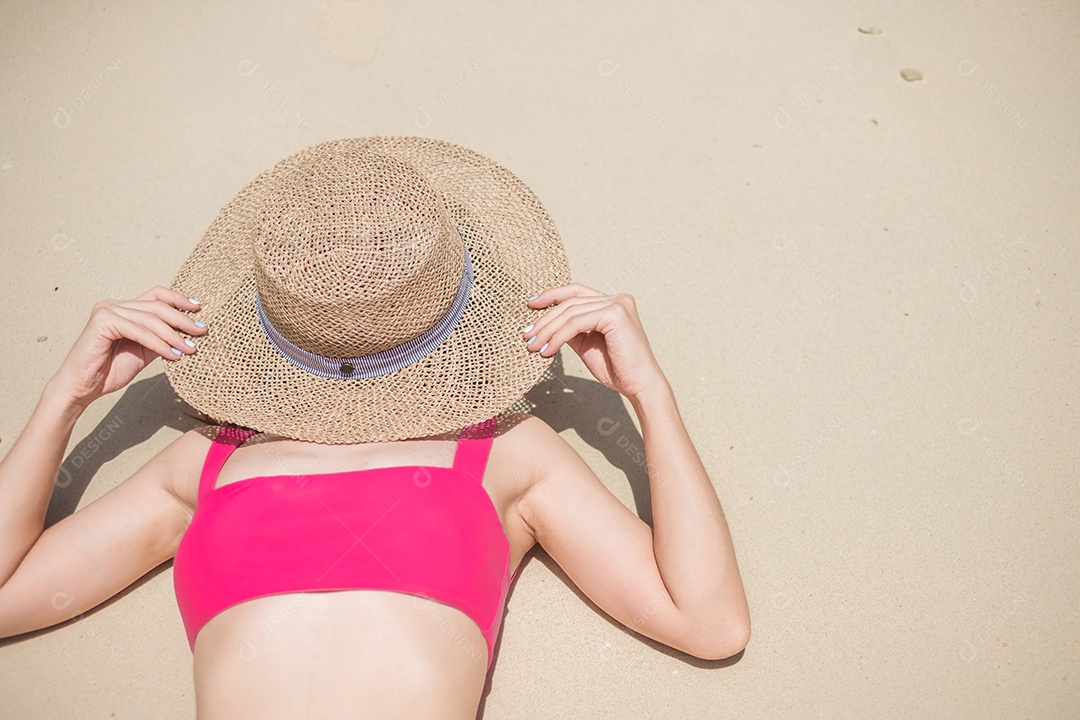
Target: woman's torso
(350,653)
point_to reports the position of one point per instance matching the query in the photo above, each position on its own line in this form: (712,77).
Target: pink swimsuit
(426,531)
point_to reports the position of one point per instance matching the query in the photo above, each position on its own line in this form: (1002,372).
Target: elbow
(721,641)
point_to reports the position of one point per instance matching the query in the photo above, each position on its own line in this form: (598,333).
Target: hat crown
(354,254)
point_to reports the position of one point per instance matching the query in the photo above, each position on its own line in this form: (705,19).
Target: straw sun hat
(366,290)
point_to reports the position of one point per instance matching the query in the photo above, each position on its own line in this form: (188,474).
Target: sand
(854,252)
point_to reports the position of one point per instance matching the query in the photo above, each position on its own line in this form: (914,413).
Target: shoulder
(528,441)
(517,428)
(543,463)
(181,463)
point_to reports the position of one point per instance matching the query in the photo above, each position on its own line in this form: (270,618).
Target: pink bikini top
(426,531)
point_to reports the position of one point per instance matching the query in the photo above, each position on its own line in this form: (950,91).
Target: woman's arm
(88,557)
(678,583)
(119,340)
(693,546)
(27,475)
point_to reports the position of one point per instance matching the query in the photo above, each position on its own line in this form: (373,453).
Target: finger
(537,333)
(575,324)
(553,296)
(176,318)
(172,297)
(577,321)
(124,327)
(159,328)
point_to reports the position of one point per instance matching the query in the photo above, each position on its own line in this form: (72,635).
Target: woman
(345,540)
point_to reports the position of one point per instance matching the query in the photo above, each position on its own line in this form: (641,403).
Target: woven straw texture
(354,248)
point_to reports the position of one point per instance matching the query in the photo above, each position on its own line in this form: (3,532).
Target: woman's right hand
(122,338)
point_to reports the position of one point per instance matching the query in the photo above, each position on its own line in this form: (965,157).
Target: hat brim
(237,376)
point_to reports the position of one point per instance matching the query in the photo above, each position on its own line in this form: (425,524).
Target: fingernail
(176,352)
(526,328)
(535,296)
(193,301)
(189,343)
(544,348)
(200,323)
(530,341)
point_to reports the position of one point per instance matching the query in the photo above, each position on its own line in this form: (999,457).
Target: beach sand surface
(851,229)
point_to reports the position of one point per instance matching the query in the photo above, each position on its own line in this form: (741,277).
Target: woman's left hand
(604,330)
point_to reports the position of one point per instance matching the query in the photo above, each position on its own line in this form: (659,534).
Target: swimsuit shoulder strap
(228,439)
(473,447)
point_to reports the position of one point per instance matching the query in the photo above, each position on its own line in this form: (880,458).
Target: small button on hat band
(375,364)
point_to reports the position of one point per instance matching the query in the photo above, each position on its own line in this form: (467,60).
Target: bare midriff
(344,654)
